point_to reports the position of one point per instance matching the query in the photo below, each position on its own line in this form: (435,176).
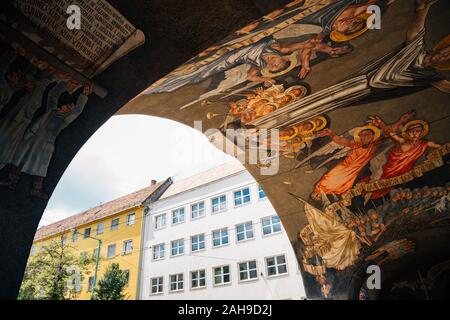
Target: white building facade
(216,236)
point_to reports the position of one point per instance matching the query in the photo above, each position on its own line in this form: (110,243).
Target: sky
(123,156)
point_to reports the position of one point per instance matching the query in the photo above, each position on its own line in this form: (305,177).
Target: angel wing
(327,149)
(233,77)
(376,168)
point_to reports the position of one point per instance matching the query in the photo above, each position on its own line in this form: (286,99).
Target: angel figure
(359,151)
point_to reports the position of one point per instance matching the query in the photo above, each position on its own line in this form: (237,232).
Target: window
(276,265)
(127,247)
(111,251)
(87,233)
(219,204)
(177,247)
(131,219)
(64,239)
(178,216)
(198,279)
(90,284)
(100,228)
(127,276)
(114,224)
(261,193)
(158,251)
(94,252)
(221,275)
(198,210)
(176,282)
(244,231)
(220,237)
(241,197)
(157,285)
(75,236)
(271,225)
(160,221)
(248,270)
(198,242)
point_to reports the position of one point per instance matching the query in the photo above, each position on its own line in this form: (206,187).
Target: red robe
(398,163)
(342,177)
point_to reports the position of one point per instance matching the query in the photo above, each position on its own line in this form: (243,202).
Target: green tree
(113,283)
(54,273)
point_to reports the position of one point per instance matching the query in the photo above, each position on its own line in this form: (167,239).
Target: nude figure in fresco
(268,59)
(408,67)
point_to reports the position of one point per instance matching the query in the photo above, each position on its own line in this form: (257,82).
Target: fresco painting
(362,126)
(375,181)
(46,79)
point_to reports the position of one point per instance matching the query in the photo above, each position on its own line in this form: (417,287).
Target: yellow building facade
(118,224)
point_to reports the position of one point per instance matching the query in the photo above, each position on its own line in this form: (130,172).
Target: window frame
(242,197)
(198,210)
(158,285)
(132,214)
(221,236)
(245,231)
(159,245)
(114,227)
(86,235)
(107,251)
(178,248)
(260,189)
(102,228)
(177,282)
(247,270)
(272,232)
(219,204)
(178,210)
(204,242)
(198,279)
(125,242)
(222,275)
(276,265)
(155,219)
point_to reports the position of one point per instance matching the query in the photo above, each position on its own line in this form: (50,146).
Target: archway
(344,185)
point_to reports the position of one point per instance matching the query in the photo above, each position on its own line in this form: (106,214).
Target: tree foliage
(54,273)
(113,283)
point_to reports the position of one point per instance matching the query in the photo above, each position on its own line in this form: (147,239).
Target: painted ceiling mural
(362,115)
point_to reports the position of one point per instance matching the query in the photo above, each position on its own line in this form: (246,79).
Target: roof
(203,178)
(107,209)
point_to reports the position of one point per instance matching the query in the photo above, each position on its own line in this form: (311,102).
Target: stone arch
(352,75)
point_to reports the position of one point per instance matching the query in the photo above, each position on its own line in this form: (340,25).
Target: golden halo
(302,88)
(424,124)
(323,125)
(274,106)
(292,136)
(293,61)
(375,130)
(256,100)
(340,37)
(443,66)
(304,133)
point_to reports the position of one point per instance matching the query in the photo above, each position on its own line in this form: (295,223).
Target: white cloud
(124,155)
